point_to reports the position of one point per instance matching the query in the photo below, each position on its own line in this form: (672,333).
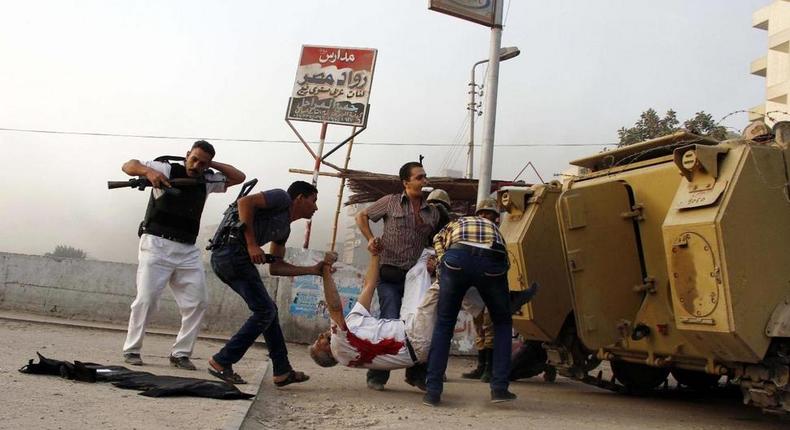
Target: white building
(775,65)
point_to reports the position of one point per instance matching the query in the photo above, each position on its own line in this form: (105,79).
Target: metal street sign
(332,85)
(479,11)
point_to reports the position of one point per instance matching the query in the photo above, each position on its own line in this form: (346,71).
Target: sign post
(332,86)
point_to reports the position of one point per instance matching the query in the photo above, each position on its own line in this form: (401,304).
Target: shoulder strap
(168,158)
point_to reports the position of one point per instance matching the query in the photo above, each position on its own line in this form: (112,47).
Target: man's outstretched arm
(371,280)
(332,297)
(282,268)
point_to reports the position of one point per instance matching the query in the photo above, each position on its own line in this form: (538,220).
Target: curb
(265,393)
(24,317)
(264,389)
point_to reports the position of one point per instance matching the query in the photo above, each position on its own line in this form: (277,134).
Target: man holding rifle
(167,250)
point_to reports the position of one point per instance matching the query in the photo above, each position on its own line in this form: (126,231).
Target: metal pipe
(492,84)
(316,168)
(340,191)
(301,139)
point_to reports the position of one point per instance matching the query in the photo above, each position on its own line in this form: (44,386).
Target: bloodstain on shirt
(369,350)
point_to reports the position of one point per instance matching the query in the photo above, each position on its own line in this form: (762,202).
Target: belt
(412,354)
(482,252)
(169,237)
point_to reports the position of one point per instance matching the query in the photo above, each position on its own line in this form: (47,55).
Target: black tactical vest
(175,217)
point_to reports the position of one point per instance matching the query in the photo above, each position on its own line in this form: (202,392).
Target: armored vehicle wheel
(638,378)
(695,380)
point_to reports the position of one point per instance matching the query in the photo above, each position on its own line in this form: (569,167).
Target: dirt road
(334,398)
(337,398)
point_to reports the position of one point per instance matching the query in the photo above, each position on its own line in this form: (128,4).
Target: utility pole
(473,112)
(489,124)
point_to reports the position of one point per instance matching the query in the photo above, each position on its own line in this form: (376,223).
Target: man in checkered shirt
(471,252)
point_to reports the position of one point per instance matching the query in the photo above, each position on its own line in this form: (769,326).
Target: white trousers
(162,260)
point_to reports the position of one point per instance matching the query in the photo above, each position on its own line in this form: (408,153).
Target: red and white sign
(332,85)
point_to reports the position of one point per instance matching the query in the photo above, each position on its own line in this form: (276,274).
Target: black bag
(392,274)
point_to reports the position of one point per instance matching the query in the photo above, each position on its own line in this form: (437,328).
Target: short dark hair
(405,170)
(205,146)
(322,358)
(301,188)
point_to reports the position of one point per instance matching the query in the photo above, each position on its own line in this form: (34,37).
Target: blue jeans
(233,267)
(390,300)
(458,271)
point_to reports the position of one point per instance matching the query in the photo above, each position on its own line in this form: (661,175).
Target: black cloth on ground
(149,384)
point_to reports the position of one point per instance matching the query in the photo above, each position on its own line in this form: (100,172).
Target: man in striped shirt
(471,252)
(409,222)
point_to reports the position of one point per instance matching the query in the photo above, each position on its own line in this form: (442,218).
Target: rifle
(142,183)
(230,226)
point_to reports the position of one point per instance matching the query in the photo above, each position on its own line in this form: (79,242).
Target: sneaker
(182,363)
(499,396)
(430,399)
(133,359)
(375,385)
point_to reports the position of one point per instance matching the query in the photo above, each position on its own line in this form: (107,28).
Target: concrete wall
(102,291)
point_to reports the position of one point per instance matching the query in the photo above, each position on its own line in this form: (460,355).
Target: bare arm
(155,177)
(281,268)
(247,206)
(363,222)
(233,175)
(369,286)
(332,297)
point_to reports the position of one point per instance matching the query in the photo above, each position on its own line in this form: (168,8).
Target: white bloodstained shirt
(370,343)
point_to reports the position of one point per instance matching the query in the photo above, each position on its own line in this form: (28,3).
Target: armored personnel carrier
(671,256)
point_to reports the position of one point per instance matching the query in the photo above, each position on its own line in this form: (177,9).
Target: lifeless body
(363,341)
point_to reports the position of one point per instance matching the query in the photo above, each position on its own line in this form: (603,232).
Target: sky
(225,70)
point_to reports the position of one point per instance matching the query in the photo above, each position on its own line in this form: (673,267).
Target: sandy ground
(337,398)
(46,402)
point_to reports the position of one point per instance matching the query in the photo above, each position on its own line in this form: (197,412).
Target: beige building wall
(775,65)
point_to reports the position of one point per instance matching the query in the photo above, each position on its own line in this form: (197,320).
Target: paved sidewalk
(34,401)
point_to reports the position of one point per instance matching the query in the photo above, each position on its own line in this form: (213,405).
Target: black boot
(486,375)
(477,372)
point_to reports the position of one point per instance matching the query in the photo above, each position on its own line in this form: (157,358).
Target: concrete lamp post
(504,54)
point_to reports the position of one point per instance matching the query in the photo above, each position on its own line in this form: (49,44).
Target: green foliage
(64,251)
(704,125)
(651,126)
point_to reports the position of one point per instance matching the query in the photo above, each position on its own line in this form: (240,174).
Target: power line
(286,141)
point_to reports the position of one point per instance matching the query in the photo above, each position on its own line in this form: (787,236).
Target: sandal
(294,377)
(226,374)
